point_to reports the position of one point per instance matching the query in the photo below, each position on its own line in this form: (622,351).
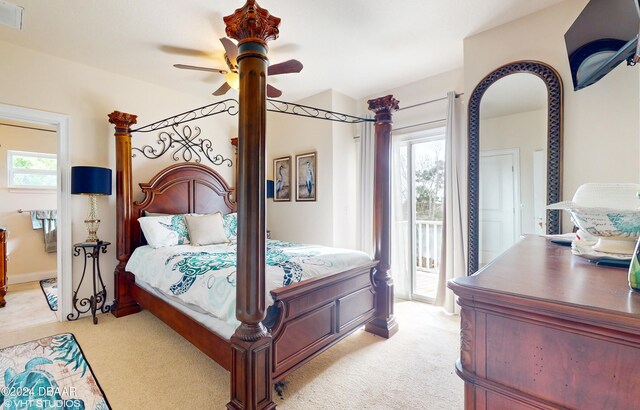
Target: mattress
(203,278)
(218,326)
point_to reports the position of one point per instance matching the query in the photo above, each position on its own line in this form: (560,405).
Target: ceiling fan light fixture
(233,79)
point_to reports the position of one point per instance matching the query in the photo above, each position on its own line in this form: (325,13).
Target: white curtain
(400,232)
(400,220)
(365,221)
(454,232)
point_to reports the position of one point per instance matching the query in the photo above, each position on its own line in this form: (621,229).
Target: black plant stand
(96,301)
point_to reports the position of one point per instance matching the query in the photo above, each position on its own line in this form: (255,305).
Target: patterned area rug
(50,290)
(49,373)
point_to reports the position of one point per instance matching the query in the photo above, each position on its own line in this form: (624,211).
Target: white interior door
(499,213)
(540,192)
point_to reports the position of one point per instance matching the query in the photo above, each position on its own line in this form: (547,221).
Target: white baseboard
(30,277)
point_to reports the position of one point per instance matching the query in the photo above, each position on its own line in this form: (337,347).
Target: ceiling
(357,47)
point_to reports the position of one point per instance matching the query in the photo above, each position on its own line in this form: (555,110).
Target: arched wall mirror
(515,151)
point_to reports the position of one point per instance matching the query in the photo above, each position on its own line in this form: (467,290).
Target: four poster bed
(306,317)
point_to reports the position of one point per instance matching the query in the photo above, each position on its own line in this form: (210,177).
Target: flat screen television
(604,35)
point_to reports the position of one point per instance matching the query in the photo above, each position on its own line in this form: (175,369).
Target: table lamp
(91,181)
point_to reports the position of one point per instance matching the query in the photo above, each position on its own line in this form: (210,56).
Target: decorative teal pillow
(168,230)
(231,225)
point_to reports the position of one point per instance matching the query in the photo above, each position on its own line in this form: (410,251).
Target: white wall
(344,175)
(304,222)
(426,89)
(331,219)
(601,126)
(41,81)
(27,259)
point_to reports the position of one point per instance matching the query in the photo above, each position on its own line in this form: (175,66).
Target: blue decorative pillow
(169,230)
(231,225)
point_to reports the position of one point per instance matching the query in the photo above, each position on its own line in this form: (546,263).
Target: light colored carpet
(141,363)
(26,306)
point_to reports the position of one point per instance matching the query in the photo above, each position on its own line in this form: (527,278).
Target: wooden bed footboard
(311,316)
(315,314)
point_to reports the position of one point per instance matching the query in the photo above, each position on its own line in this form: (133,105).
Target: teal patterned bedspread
(204,277)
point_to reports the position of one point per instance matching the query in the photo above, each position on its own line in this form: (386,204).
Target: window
(34,170)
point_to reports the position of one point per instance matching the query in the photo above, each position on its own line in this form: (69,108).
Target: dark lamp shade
(90,180)
(269,188)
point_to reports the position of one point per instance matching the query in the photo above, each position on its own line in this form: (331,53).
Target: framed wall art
(306,177)
(282,179)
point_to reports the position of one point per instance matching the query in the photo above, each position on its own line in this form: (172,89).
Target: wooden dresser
(541,328)
(3,266)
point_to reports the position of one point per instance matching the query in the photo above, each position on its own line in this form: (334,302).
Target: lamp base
(92,228)
(92,221)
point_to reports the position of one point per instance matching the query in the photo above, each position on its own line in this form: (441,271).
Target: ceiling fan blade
(194,67)
(182,51)
(273,92)
(223,89)
(286,67)
(231,50)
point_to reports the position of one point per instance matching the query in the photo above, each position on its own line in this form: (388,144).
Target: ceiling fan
(232,80)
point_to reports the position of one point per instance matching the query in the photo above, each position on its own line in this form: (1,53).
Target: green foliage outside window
(429,182)
(32,169)
(33,162)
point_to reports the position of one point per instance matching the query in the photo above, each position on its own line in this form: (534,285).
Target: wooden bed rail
(296,290)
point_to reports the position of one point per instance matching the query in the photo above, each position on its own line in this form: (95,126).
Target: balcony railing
(428,245)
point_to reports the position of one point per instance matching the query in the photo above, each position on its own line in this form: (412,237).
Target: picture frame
(306,177)
(282,179)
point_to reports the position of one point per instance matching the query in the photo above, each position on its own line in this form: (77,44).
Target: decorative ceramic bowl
(608,212)
(617,230)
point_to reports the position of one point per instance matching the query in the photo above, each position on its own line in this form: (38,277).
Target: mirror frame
(553,82)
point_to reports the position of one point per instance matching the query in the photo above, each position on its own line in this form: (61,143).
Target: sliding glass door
(421,175)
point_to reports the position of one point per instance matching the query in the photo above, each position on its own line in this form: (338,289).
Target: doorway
(58,123)
(421,159)
(499,210)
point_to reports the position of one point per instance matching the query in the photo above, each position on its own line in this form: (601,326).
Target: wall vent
(11,15)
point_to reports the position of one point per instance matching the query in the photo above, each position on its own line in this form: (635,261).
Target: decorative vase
(634,269)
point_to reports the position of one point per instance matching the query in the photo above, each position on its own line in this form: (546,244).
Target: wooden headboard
(180,189)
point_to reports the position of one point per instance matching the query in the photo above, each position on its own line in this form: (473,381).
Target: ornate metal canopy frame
(553,82)
(186,144)
(284,107)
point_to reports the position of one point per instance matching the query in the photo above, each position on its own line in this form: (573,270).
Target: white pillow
(206,229)
(168,230)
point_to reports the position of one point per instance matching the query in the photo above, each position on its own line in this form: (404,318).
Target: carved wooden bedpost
(251,384)
(123,304)
(234,143)
(384,324)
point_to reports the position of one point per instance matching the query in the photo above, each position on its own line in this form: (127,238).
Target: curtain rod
(419,124)
(428,102)
(24,126)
